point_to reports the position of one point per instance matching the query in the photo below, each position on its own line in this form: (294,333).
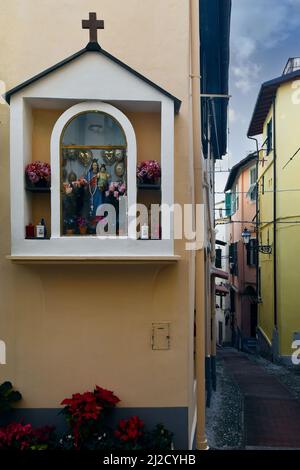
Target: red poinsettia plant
(83,411)
(148,171)
(38,172)
(21,436)
(129,432)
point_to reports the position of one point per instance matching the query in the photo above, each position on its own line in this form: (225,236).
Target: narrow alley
(257,404)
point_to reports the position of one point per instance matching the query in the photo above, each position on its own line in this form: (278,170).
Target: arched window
(93,172)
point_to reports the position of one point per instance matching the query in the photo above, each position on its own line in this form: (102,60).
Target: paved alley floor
(269,408)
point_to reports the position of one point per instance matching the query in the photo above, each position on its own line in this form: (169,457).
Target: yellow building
(276,118)
(79,309)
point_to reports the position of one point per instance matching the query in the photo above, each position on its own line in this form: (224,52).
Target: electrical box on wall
(160,336)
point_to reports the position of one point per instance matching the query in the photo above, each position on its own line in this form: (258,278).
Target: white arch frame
(90,106)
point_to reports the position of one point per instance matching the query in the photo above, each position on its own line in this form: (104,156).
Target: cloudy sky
(264,34)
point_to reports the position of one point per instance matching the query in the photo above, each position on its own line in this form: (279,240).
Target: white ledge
(94,259)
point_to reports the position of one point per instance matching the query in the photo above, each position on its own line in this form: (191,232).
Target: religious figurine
(72,177)
(103,178)
(119,155)
(109,157)
(119,169)
(85,157)
(96,195)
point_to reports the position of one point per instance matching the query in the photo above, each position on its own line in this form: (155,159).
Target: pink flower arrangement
(68,189)
(81,182)
(148,171)
(38,171)
(116,189)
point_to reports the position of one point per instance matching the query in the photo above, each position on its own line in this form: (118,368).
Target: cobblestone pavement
(257,404)
(224,416)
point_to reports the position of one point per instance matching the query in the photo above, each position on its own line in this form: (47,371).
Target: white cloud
(232,115)
(258,25)
(245,75)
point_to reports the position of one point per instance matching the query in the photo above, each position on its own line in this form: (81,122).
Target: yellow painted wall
(265,185)
(288,142)
(67,328)
(288,232)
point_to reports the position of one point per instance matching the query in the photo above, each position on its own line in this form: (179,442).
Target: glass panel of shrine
(93,173)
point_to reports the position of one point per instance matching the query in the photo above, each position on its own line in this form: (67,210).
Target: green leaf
(14,395)
(5,388)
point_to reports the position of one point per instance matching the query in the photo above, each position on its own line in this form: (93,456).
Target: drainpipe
(201,442)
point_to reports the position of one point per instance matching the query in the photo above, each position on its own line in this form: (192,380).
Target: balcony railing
(292,65)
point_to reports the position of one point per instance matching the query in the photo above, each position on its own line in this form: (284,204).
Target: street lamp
(246,236)
(265,249)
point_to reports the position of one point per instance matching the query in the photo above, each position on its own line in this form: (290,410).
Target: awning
(219,273)
(221,290)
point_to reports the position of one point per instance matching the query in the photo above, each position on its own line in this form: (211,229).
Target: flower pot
(42,183)
(83,230)
(70,231)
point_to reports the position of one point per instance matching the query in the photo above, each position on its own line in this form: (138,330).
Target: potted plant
(38,174)
(69,226)
(115,191)
(149,172)
(82,225)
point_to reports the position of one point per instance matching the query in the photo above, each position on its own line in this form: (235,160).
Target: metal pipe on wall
(201,442)
(274,213)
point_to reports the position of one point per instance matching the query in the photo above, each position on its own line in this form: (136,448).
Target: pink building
(241,206)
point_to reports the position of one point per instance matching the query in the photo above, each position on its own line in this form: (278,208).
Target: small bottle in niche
(145,232)
(29,231)
(41,230)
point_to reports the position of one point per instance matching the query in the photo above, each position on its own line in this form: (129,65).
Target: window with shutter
(228,204)
(269,136)
(233,258)
(252,252)
(218,262)
(253,185)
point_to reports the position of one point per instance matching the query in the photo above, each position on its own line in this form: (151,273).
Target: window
(252,252)
(228,204)
(235,200)
(233,258)
(269,136)
(93,173)
(253,185)
(218,262)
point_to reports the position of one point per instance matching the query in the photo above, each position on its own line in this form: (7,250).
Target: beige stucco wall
(67,328)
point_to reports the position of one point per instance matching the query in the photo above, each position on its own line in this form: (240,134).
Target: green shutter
(228,204)
(218,262)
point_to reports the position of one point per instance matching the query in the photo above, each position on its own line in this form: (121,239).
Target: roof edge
(275,84)
(92,47)
(236,168)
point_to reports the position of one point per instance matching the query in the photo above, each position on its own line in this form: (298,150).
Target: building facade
(241,204)
(114,309)
(275,121)
(222,320)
